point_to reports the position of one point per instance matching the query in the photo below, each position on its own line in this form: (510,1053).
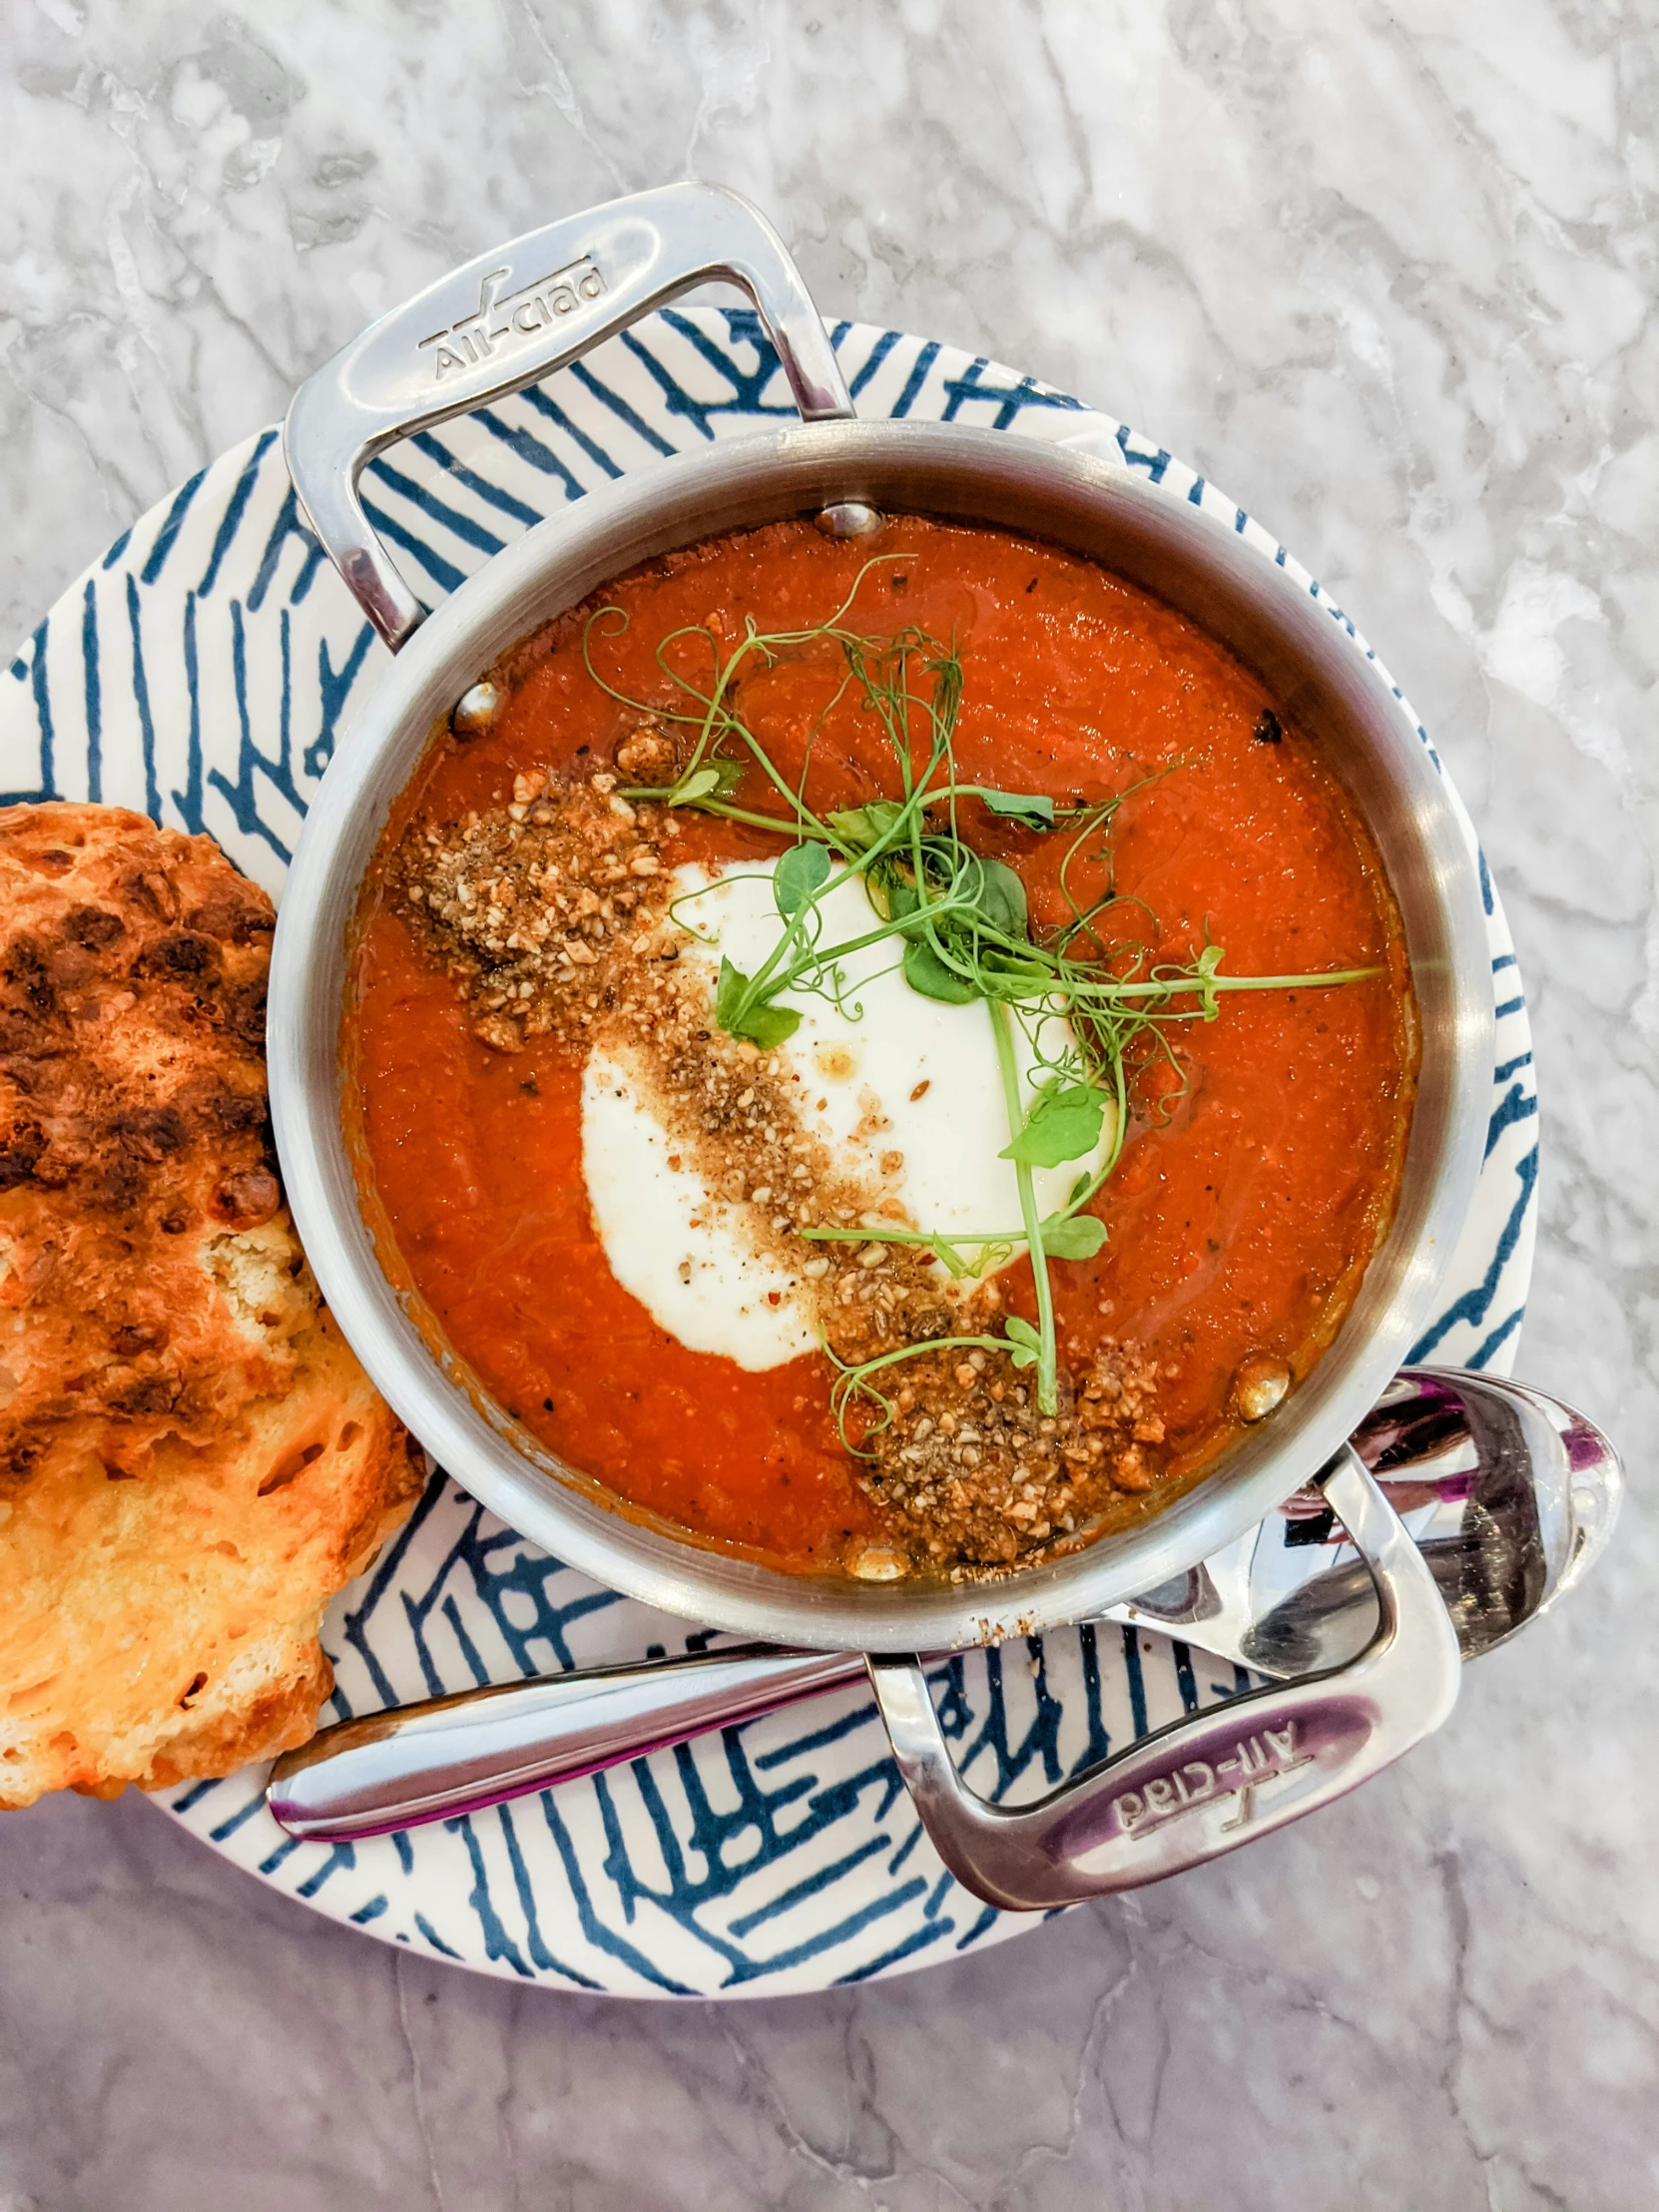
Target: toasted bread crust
(191,1461)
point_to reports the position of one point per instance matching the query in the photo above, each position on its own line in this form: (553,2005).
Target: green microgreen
(1061,1123)
(1034,808)
(741,1013)
(1086,1001)
(801,871)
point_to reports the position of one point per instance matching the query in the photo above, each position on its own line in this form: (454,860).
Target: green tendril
(1088,1006)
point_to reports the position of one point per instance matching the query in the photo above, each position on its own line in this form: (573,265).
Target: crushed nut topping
(545,910)
(970,1472)
(550,913)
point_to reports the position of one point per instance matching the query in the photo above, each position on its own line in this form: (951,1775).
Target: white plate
(202,672)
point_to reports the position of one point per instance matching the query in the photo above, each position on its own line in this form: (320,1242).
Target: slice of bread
(191,1460)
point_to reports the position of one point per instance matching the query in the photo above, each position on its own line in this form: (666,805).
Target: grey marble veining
(1386,273)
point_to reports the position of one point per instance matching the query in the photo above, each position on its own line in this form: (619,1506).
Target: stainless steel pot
(513,315)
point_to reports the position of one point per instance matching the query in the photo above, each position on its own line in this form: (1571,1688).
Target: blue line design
(1011,399)
(239,1819)
(241,796)
(498,1570)
(288,524)
(603,1937)
(786,1900)
(168,535)
(1501,1335)
(618,406)
(333,687)
(497,1942)
(820,1739)
(141,696)
(1155,460)
(1137,1686)
(848,1926)
(531,449)
(1098,1744)
(436,1940)
(963,388)
(46,789)
(370,1912)
(233,513)
(919,369)
(43,715)
(1041,1742)
(878,355)
(391,1559)
(444,574)
(675,400)
(450,518)
(1474,1304)
(982,1926)
(94,698)
(540,1956)
(480,486)
(342,1858)
(193,1796)
(1517,1106)
(744,390)
(188,801)
(904,1850)
(930,1932)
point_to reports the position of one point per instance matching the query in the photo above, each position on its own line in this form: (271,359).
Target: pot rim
(963,473)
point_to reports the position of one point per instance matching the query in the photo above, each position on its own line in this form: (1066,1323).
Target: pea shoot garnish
(1073,1009)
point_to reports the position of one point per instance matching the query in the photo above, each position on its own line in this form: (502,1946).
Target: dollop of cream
(687,1257)
(904,1092)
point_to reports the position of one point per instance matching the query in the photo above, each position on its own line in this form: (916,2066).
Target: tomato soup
(552,875)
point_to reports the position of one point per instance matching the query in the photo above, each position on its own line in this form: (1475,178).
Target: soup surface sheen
(1260,1154)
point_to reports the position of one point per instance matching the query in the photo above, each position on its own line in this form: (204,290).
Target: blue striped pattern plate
(203,670)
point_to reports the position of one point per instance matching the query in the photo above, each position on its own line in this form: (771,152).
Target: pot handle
(514,314)
(1205,1785)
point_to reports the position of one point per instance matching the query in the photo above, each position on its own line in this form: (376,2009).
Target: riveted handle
(515,315)
(1208,1784)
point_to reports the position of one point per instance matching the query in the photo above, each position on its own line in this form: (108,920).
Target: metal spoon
(1509,1495)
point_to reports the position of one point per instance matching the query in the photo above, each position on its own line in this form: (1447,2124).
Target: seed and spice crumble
(551,914)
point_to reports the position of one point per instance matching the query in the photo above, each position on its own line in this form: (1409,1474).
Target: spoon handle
(446,1755)
(453,1755)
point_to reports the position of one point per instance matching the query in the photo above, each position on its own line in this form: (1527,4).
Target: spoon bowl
(1510,1496)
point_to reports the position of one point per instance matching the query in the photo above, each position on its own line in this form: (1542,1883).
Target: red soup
(670,918)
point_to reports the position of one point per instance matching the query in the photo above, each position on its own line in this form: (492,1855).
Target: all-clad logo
(1255,1762)
(509,320)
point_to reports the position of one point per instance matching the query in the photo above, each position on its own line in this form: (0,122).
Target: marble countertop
(1387,271)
